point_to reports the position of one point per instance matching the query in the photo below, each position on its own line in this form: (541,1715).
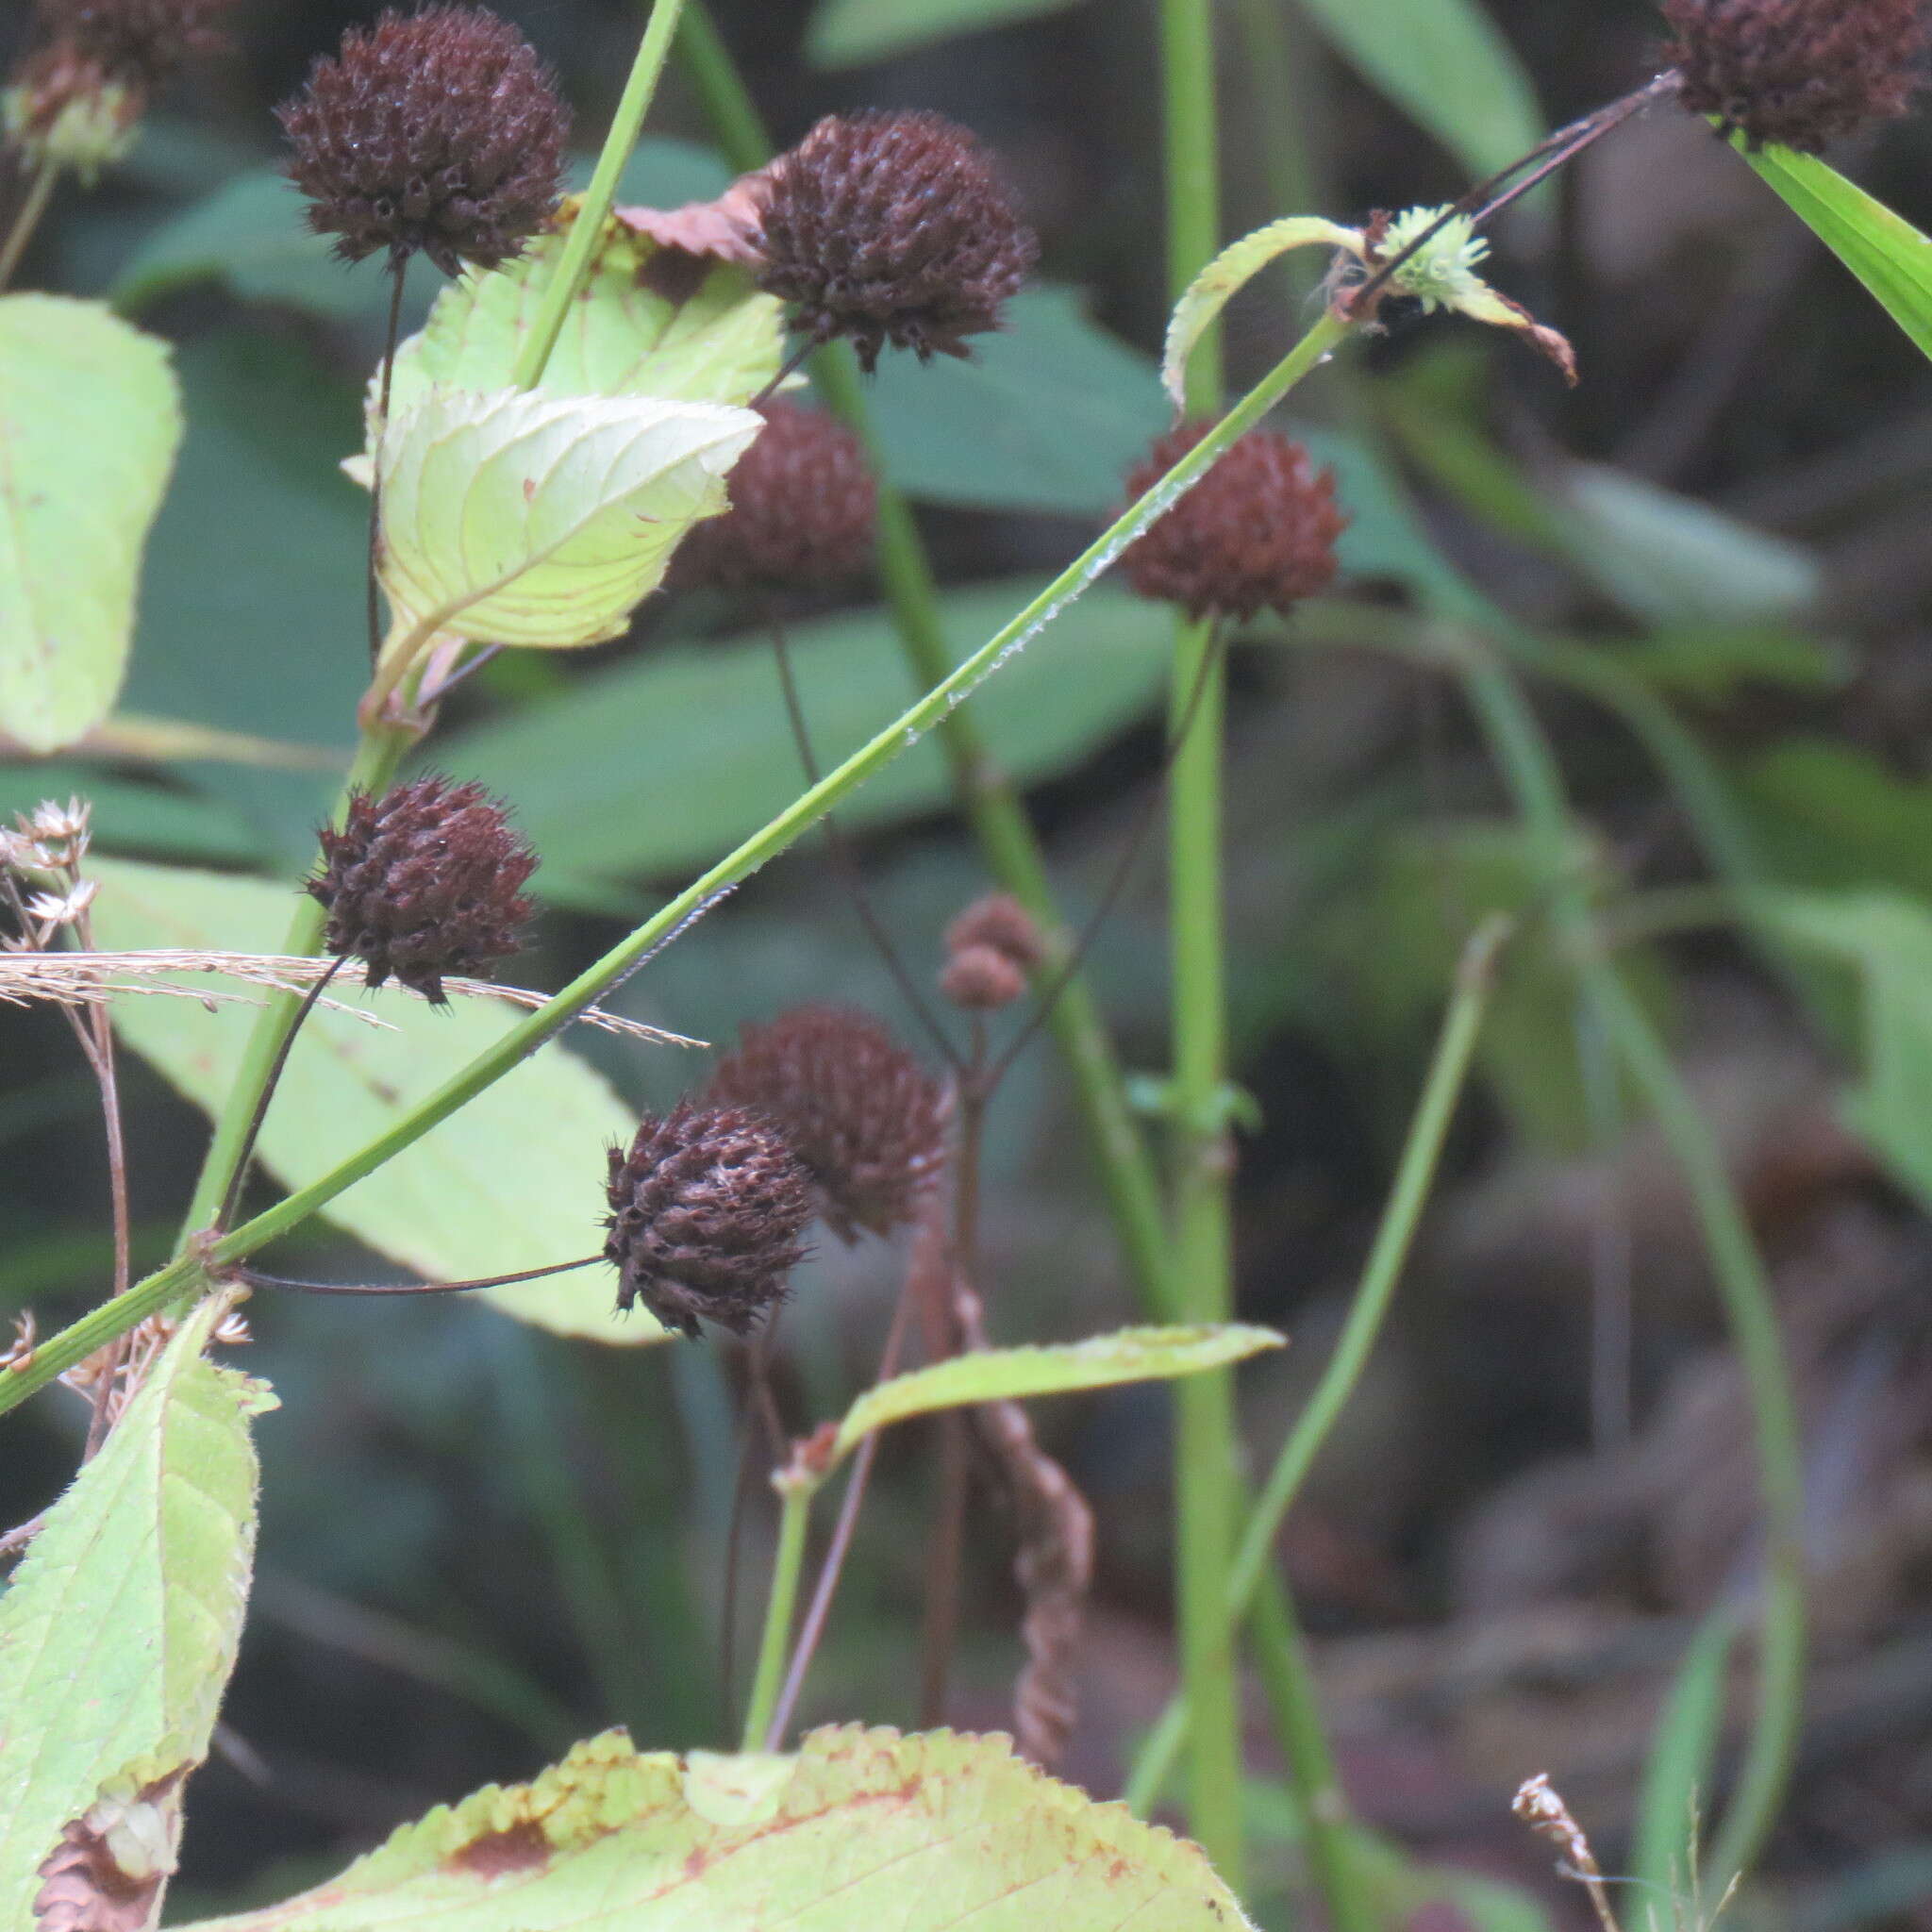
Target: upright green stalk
(998,818)
(795,1492)
(1206,1488)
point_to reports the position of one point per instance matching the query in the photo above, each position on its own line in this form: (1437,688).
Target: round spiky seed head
(802,505)
(890,227)
(706,1212)
(64,110)
(998,919)
(439,131)
(137,43)
(866,1119)
(1802,73)
(1257,532)
(982,978)
(424,881)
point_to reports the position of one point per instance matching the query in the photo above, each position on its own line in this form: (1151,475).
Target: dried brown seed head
(866,1119)
(1802,73)
(439,131)
(803,505)
(982,978)
(424,881)
(1257,532)
(998,919)
(892,226)
(140,42)
(706,1213)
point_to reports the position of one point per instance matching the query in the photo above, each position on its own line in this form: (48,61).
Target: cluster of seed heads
(992,948)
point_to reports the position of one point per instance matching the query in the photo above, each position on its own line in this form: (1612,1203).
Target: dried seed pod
(706,1213)
(1802,73)
(982,978)
(1257,532)
(802,505)
(890,227)
(867,1122)
(439,131)
(998,919)
(424,881)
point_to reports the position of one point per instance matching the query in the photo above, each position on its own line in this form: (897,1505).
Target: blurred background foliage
(1709,561)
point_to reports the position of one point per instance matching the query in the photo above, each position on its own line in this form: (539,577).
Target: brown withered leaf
(106,1873)
(726,229)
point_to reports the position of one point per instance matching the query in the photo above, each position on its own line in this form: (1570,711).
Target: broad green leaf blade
(1018,1374)
(610,779)
(513,1181)
(1230,271)
(539,519)
(119,1632)
(90,421)
(1887,938)
(1883,249)
(642,327)
(1046,414)
(847,33)
(1444,64)
(920,1834)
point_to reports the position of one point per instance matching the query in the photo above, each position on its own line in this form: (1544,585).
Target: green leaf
(118,1633)
(250,233)
(90,421)
(513,1181)
(861,1827)
(542,520)
(1231,271)
(1018,1374)
(615,776)
(847,33)
(1047,414)
(133,818)
(1883,249)
(1887,938)
(632,332)
(1831,816)
(1444,64)
(1682,1761)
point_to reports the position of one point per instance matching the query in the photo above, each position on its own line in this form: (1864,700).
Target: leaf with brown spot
(106,1873)
(863,1827)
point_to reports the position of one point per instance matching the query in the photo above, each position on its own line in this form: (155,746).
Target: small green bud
(1442,273)
(66,112)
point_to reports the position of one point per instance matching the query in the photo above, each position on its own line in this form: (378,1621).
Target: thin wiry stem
(40,190)
(398,272)
(244,1153)
(102,1061)
(253,1278)
(845,861)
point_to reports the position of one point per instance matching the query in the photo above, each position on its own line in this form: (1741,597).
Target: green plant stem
(1528,766)
(61,1352)
(794,1494)
(1127,1168)
(1287,1679)
(39,192)
(587,230)
(376,759)
(1206,1469)
(1415,1176)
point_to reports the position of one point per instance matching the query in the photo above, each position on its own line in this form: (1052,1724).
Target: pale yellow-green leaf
(1230,271)
(624,335)
(90,421)
(861,1828)
(1014,1375)
(118,1635)
(537,520)
(513,1181)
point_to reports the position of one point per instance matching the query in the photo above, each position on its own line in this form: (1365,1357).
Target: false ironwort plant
(589,413)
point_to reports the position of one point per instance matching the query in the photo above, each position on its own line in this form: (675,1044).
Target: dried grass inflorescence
(438,131)
(424,881)
(866,1119)
(802,505)
(706,1213)
(890,227)
(1257,532)
(1801,73)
